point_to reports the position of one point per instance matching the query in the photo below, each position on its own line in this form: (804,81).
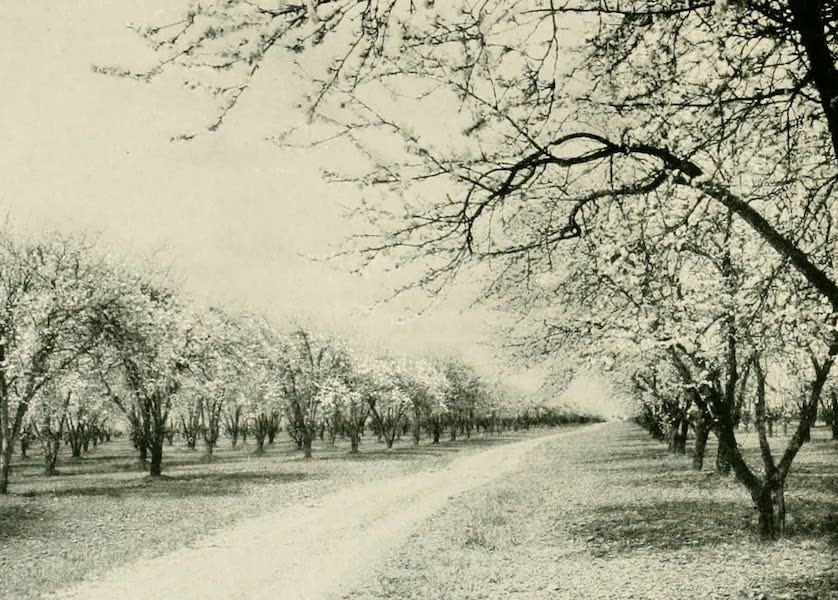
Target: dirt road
(308,552)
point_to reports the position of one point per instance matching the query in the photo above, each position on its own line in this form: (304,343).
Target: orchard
(637,197)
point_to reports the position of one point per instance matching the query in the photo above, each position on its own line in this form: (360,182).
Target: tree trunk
(209,447)
(354,442)
(809,22)
(417,426)
(51,444)
(436,429)
(156,451)
(143,454)
(681,439)
(671,438)
(771,506)
(702,433)
(5,465)
(5,471)
(306,443)
(233,425)
(834,425)
(722,457)
(260,443)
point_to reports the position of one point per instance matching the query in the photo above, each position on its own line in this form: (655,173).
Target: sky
(234,214)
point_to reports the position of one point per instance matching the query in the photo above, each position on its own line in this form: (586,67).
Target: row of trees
(670,164)
(701,326)
(88,345)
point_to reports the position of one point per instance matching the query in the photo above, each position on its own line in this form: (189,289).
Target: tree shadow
(376,455)
(127,462)
(406,450)
(175,486)
(815,586)
(620,457)
(671,525)
(16,520)
(624,528)
(676,477)
(813,519)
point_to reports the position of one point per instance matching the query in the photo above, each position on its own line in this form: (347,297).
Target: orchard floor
(102,512)
(612,514)
(597,512)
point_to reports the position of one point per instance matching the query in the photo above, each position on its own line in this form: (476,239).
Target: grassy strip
(102,511)
(613,515)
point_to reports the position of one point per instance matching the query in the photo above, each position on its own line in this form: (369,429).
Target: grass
(614,515)
(103,511)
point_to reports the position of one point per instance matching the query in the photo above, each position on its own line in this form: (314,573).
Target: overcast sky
(233,213)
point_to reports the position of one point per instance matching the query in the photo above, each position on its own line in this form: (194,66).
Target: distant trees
(426,387)
(216,375)
(88,344)
(52,310)
(307,362)
(153,342)
(386,395)
(47,421)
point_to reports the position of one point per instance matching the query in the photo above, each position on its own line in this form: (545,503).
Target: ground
(103,512)
(616,516)
(594,513)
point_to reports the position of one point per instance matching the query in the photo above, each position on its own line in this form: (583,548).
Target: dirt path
(308,552)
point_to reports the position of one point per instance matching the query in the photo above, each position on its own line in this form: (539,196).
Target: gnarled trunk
(722,457)
(702,433)
(771,506)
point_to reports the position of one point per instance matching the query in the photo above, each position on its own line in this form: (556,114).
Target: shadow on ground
(95,463)
(374,451)
(815,586)
(174,486)
(621,528)
(18,520)
(683,508)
